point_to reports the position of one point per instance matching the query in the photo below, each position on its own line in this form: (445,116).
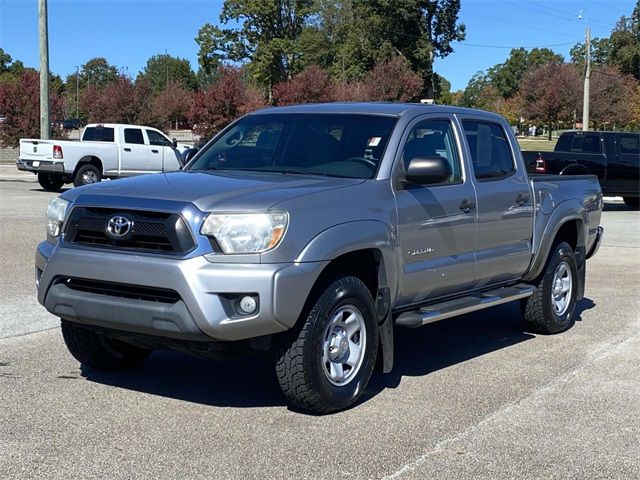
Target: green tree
(506,77)
(98,72)
(266,37)
(164,68)
(365,32)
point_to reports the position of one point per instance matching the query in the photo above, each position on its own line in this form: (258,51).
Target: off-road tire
(538,311)
(51,182)
(299,365)
(79,178)
(98,351)
(633,202)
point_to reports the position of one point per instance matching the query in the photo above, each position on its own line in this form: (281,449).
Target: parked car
(70,124)
(3,118)
(614,157)
(105,151)
(313,232)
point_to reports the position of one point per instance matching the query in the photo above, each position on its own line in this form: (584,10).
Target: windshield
(338,145)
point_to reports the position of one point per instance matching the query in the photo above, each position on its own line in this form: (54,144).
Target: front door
(505,212)
(623,169)
(436,223)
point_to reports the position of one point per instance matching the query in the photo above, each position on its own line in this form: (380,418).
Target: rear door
(505,212)
(136,154)
(436,223)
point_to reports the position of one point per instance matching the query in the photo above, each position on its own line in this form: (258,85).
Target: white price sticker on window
(374,141)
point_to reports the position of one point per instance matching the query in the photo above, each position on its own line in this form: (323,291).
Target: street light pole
(77,92)
(45,125)
(587,80)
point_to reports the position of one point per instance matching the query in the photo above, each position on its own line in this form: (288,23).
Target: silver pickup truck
(313,232)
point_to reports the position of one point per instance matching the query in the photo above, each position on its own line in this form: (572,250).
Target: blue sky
(128,32)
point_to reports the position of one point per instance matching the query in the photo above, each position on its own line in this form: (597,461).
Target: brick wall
(8,155)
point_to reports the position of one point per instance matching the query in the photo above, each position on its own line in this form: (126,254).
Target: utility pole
(77,91)
(45,125)
(587,79)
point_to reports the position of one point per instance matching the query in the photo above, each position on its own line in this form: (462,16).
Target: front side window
(490,153)
(433,138)
(156,138)
(341,145)
(133,135)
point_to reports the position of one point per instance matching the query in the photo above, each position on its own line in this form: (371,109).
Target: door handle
(154,151)
(127,149)
(521,199)
(466,205)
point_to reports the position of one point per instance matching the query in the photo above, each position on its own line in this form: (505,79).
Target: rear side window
(98,134)
(629,144)
(490,153)
(133,135)
(589,143)
(564,142)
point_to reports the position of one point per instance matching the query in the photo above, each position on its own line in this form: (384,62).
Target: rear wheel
(550,309)
(51,182)
(328,359)
(86,175)
(633,202)
(99,351)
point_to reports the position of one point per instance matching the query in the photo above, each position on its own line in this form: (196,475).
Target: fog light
(248,304)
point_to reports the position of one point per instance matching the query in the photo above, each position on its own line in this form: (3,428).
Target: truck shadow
(251,381)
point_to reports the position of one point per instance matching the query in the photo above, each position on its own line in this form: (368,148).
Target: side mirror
(174,143)
(428,170)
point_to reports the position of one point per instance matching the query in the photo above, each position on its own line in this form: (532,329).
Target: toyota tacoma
(313,232)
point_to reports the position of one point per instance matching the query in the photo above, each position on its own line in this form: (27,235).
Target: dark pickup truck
(613,156)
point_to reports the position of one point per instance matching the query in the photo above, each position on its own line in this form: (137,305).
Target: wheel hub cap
(562,288)
(343,345)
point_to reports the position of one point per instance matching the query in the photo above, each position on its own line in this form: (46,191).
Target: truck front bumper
(596,244)
(191,299)
(36,166)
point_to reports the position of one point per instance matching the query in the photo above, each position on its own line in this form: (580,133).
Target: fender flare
(563,213)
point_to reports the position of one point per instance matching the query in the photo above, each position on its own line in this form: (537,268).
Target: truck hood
(228,191)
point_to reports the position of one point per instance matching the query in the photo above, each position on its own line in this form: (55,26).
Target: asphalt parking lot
(473,397)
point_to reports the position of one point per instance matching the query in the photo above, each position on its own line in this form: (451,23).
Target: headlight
(55,216)
(246,232)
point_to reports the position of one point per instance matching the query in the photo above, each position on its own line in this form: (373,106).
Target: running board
(460,306)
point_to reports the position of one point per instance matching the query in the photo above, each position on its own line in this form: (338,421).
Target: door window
(589,143)
(490,153)
(434,138)
(629,144)
(156,138)
(133,135)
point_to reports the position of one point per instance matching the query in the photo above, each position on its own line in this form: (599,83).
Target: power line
(565,16)
(465,44)
(524,25)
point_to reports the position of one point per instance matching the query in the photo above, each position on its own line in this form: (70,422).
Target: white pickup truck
(105,151)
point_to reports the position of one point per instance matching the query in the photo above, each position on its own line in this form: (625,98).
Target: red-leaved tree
(171,105)
(393,81)
(19,102)
(228,98)
(611,100)
(312,85)
(552,94)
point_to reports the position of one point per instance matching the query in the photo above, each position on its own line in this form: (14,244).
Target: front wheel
(329,357)
(550,309)
(86,175)
(51,182)
(99,351)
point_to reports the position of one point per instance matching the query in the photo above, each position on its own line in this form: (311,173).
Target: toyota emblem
(119,226)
